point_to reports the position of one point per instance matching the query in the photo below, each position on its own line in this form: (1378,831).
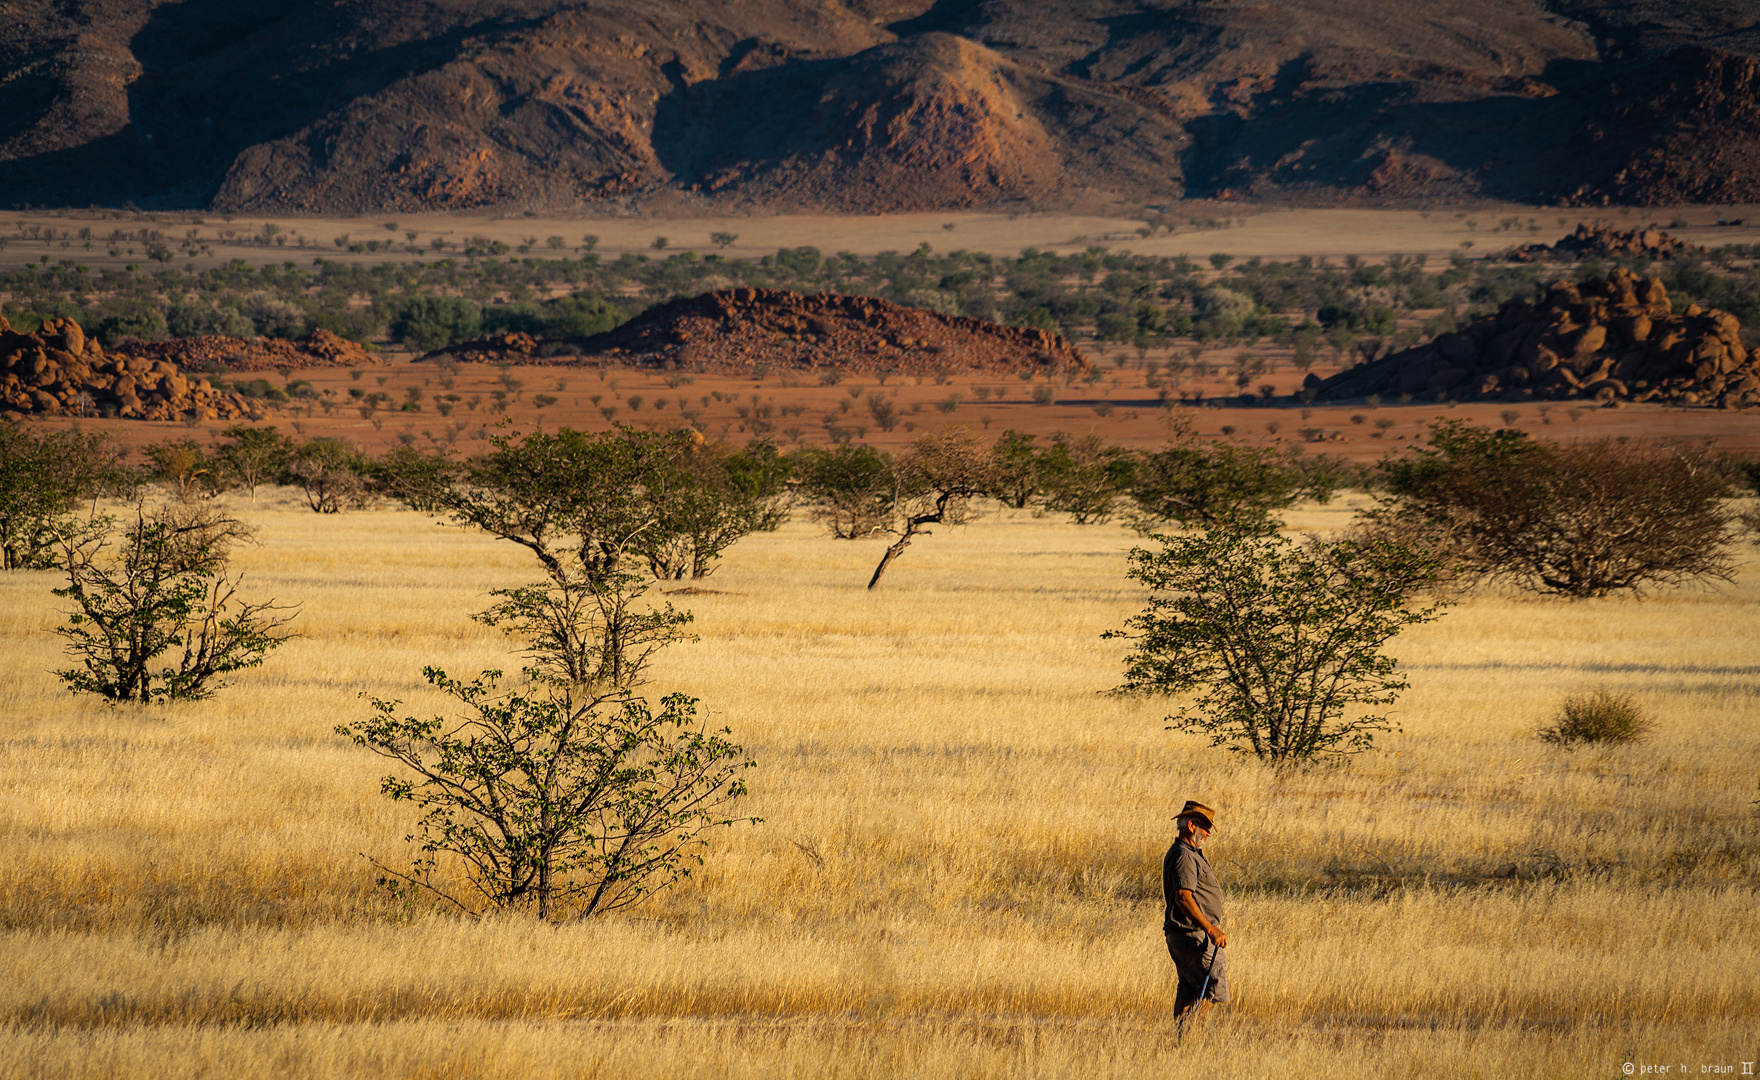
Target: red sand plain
(1120,408)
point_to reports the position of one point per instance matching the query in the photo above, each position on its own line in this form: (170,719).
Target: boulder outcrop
(1593,241)
(1610,341)
(58,371)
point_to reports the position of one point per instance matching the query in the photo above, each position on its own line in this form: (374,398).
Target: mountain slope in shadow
(358,106)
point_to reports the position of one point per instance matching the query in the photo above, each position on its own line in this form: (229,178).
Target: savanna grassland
(957,874)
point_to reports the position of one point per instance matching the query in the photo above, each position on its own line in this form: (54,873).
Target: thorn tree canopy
(1582,520)
(569,794)
(1275,646)
(936,481)
(1191,483)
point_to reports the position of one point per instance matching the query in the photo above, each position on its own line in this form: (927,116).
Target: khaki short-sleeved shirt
(1185,867)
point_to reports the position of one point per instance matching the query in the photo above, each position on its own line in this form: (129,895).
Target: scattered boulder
(514,346)
(214,352)
(58,371)
(1592,241)
(1610,341)
(739,331)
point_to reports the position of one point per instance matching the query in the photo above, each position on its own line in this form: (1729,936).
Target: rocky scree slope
(217,352)
(378,106)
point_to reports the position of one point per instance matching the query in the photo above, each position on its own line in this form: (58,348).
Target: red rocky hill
(738,331)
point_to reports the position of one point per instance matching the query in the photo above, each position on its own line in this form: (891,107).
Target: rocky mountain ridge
(365,106)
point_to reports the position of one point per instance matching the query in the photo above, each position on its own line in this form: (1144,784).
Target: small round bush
(1600,717)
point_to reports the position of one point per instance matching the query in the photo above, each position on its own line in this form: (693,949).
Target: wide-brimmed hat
(1194,808)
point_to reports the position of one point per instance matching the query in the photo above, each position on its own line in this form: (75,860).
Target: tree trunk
(892,553)
(912,525)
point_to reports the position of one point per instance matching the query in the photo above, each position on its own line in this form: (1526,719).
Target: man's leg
(1206,972)
(1188,964)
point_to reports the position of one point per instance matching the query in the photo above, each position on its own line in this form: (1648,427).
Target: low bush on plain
(1600,717)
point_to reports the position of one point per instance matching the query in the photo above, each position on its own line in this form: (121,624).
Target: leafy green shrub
(200,320)
(848,489)
(132,319)
(1193,483)
(1371,319)
(512,318)
(1039,318)
(260,388)
(161,589)
(1084,477)
(331,473)
(358,325)
(1115,326)
(582,315)
(43,478)
(552,805)
(1600,717)
(271,316)
(434,322)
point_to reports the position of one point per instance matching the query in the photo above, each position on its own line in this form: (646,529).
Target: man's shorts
(1194,957)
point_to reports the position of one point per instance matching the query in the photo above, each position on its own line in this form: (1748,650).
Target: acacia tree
(1083,477)
(43,477)
(579,504)
(181,465)
(1280,644)
(162,587)
(936,481)
(707,498)
(331,473)
(1579,521)
(254,456)
(1014,462)
(848,489)
(1190,483)
(568,793)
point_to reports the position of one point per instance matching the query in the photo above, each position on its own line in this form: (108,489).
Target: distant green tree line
(1109,296)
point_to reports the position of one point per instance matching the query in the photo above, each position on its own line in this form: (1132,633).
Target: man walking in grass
(1193,923)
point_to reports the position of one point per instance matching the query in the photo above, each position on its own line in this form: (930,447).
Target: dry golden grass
(957,874)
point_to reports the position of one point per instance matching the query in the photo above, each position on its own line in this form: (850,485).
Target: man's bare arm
(1189,904)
